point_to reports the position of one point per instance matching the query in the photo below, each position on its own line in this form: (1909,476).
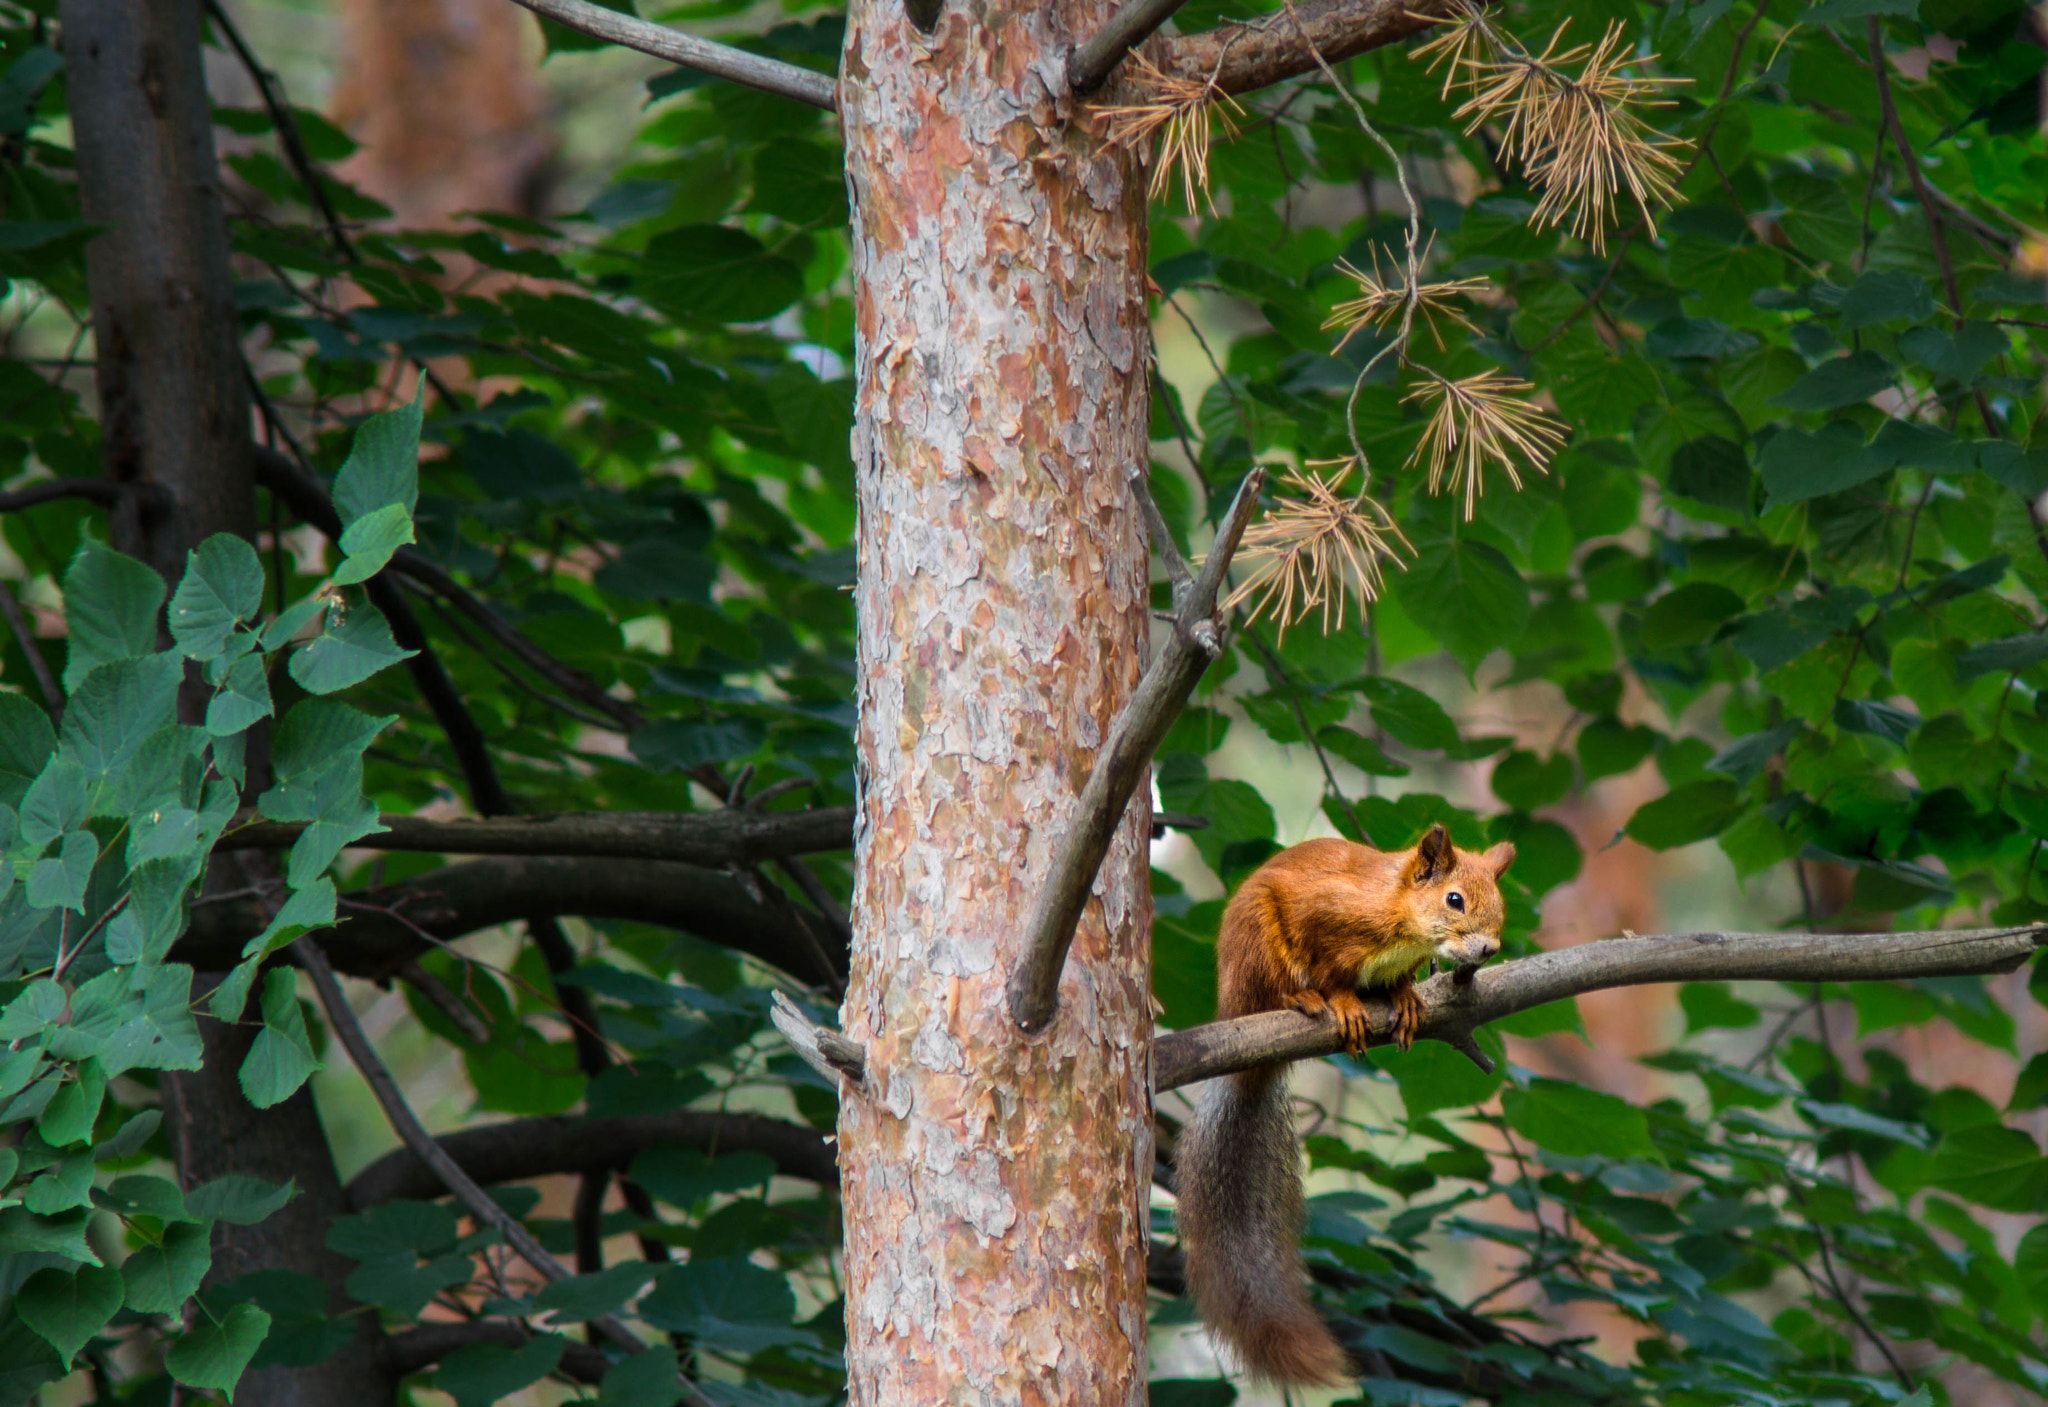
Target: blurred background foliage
(1764,646)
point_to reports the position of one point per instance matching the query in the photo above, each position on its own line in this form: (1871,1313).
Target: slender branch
(831,1053)
(720,60)
(342,1018)
(1262,52)
(1163,545)
(1453,1009)
(1093,60)
(107,492)
(417,1350)
(524,1148)
(26,638)
(392,923)
(1196,640)
(693,837)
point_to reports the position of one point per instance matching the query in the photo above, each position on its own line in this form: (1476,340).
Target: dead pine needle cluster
(1316,548)
(1397,305)
(1181,111)
(1479,420)
(1578,134)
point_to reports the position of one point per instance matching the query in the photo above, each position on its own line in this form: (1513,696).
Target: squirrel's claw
(1408,1011)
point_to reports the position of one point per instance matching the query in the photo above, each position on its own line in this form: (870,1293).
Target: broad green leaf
(160,1277)
(2000,1168)
(222,587)
(647,1379)
(110,610)
(679,745)
(382,469)
(1525,781)
(1959,355)
(26,742)
(480,1374)
(370,541)
(238,1199)
(1696,811)
(1607,747)
(69,1116)
(732,1303)
(317,735)
(1360,751)
(1840,381)
(213,1355)
(113,713)
(68,1307)
(1714,1004)
(335,810)
(164,1035)
(281,1057)
(56,802)
(1467,596)
(1408,715)
(350,650)
(139,1194)
(1576,1121)
(715,273)
(583,1297)
(306,909)
(22,1232)
(1883,296)
(2030,1263)
(684,1177)
(243,699)
(1432,1076)
(60,880)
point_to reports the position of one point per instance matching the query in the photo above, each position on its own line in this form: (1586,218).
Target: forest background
(1759,647)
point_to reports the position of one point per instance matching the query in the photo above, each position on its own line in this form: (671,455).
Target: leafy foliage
(1789,558)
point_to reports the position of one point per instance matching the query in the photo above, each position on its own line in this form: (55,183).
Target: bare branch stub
(1137,733)
(721,60)
(1093,60)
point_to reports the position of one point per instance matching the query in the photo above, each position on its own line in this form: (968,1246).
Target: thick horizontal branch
(524,1148)
(417,1350)
(1457,1004)
(1453,1010)
(720,60)
(1093,60)
(1269,50)
(693,837)
(1196,640)
(390,924)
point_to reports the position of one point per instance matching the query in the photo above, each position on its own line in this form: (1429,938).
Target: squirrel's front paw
(1351,1020)
(1408,1011)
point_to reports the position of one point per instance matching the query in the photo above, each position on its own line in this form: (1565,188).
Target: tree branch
(1196,640)
(720,60)
(1457,1004)
(342,1018)
(387,925)
(106,492)
(417,1350)
(17,624)
(1265,51)
(1093,60)
(525,1148)
(714,838)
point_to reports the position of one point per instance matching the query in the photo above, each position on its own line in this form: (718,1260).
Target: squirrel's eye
(1455,900)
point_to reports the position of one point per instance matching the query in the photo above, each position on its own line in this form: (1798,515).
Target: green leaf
(1708,1005)
(56,802)
(1608,748)
(238,1199)
(582,1297)
(677,745)
(115,712)
(1693,812)
(734,1304)
(1842,381)
(243,699)
(1959,355)
(483,1373)
(1432,1076)
(139,1194)
(69,1116)
(1408,715)
(164,1035)
(318,735)
(306,909)
(1998,1167)
(2003,656)
(1360,751)
(347,652)
(213,1355)
(650,1379)
(161,1277)
(382,469)
(1545,1020)
(281,1057)
(1525,781)
(60,881)
(1843,11)
(2030,1263)
(1577,1122)
(26,742)
(68,1307)
(369,542)
(336,812)
(1467,597)
(222,587)
(716,273)
(1883,296)
(684,1177)
(110,610)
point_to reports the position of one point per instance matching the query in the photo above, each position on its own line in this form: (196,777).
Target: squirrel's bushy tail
(1238,1180)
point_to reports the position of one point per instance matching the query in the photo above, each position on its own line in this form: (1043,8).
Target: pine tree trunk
(995,1185)
(174,415)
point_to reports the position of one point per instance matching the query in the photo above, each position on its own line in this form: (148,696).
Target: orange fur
(1306,931)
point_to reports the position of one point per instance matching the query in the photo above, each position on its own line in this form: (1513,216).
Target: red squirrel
(1312,926)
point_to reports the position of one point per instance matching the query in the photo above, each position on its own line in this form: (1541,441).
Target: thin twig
(1197,639)
(26,638)
(342,1018)
(720,60)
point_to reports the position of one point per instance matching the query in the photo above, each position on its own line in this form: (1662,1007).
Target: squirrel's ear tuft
(1499,858)
(1433,856)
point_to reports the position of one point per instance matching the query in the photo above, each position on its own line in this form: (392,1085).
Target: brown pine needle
(1479,420)
(1468,42)
(1380,304)
(1179,110)
(1316,548)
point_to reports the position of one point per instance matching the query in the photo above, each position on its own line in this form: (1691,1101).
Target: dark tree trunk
(174,415)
